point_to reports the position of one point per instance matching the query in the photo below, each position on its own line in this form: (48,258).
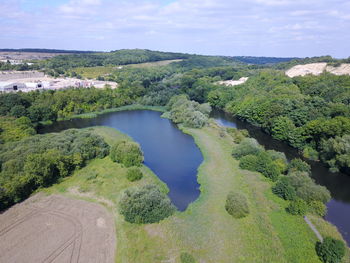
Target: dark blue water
(337,183)
(170,154)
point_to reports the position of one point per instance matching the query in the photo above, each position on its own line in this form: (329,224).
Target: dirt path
(313,228)
(56,229)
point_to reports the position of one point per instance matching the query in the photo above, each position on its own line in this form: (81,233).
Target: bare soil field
(56,229)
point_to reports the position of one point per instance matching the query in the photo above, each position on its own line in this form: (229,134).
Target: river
(337,183)
(172,155)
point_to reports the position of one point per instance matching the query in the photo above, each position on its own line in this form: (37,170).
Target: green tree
(297,207)
(145,205)
(330,250)
(237,205)
(127,153)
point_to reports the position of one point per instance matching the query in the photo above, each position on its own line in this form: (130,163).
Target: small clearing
(233,82)
(57,229)
(317,69)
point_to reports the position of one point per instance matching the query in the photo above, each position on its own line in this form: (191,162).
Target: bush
(317,208)
(247,146)
(127,153)
(260,163)
(284,189)
(330,250)
(134,174)
(145,205)
(310,153)
(187,258)
(237,205)
(249,162)
(237,135)
(297,207)
(299,165)
(313,192)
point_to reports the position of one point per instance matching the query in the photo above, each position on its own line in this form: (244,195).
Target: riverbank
(204,230)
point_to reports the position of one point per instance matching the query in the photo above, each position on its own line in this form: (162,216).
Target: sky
(281,28)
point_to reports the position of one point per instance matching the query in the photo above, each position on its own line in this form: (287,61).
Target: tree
(237,205)
(134,174)
(247,146)
(127,153)
(284,189)
(317,208)
(297,207)
(330,250)
(145,205)
(299,165)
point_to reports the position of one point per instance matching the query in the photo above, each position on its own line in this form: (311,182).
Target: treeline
(41,160)
(51,105)
(120,57)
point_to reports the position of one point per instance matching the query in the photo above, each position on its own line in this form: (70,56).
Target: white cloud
(206,26)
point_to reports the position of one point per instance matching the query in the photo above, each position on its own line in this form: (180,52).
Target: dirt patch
(56,229)
(75,191)
(233,82)
(317,69)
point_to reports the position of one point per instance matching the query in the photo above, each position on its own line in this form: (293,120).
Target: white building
(7,86)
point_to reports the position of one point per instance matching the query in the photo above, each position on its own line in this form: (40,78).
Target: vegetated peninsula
(255,203)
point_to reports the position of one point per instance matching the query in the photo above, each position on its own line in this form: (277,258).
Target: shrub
(299,165)
(317,208)
(237,205)
(312,192)
(145,205)
(297,207)
(284,189)
(249,162)
(310,153)
(266,166)
(134,174)
(127,153)
(187,258)
(330,250)
(237,135)
(247,146)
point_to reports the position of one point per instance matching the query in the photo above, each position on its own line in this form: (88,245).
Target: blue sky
(215,27)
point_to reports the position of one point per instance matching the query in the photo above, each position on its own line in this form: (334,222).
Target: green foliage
(313,192)
(246,147)
(134,174)
(145,205)
(330,250)
(127,153)
(187,258)
(298,165)
(12,129)
(284,189)
(41,160)
(317,208)
(310,153)
(336,152)
(237,205)
(297,207)
(190,113)
(249,162)
(237,135)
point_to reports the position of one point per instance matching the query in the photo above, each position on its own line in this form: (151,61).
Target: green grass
(122,108)
(205,230)
(94,72)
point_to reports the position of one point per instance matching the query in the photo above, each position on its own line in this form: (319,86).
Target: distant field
(94,72)
(153,64)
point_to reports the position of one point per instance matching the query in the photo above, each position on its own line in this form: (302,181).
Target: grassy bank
(123,108)
(205,229)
